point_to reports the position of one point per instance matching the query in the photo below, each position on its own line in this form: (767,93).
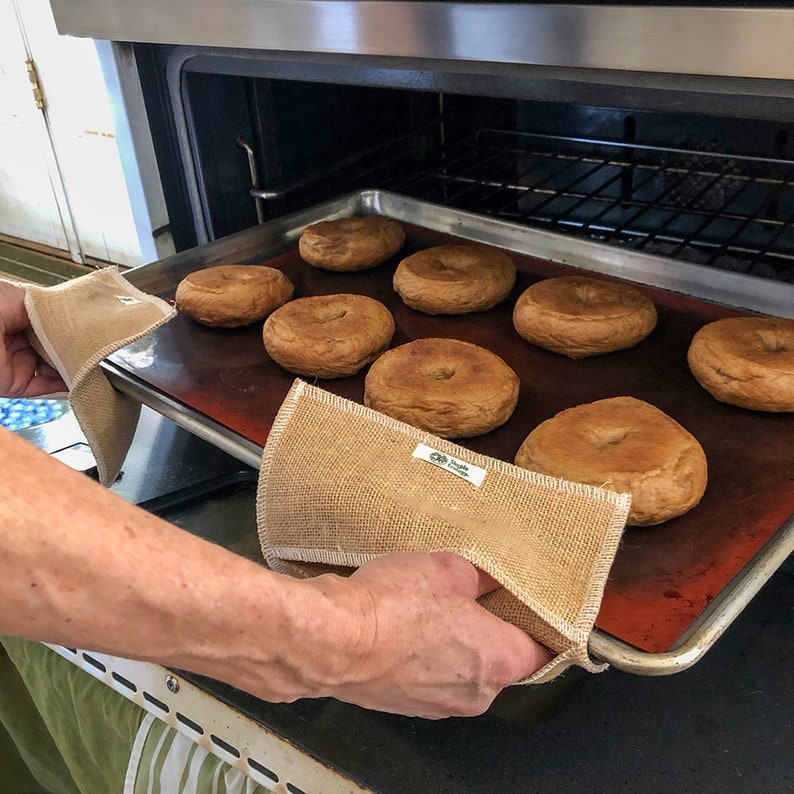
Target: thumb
(485,583)
(537,655)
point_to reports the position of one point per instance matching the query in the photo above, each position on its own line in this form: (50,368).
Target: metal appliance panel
(221,383)
(720,41)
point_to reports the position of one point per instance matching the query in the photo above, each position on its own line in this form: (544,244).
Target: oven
(644,141)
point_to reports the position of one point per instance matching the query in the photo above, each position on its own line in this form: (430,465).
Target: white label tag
(127,300)
(466,471)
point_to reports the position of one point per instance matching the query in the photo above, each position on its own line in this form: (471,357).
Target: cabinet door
(33,203)
(62,182)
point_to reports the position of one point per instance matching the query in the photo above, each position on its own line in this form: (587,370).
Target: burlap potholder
(77,324)
(341,484)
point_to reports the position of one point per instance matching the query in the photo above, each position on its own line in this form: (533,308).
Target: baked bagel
(328,336)
(625,445)
(448,387)
(579,316)
(746,361)
(455,279)
(350,244)
(232,295)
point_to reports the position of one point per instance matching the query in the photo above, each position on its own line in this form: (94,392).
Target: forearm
(82,567)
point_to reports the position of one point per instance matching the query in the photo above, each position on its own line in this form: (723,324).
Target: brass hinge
(35,84)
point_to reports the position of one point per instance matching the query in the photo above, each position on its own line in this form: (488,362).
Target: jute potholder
(77,324)
(341,484)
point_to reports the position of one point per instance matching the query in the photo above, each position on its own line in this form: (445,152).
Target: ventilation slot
(224,746)
(124,682)
(264,771)
(95,663)
(187,722)
(156,703)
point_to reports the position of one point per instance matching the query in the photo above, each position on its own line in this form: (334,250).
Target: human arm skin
(23,373)
(81,567)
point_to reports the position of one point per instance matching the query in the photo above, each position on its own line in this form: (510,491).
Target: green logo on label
(439,458)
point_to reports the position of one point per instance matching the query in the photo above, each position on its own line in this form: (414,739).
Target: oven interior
(266,138)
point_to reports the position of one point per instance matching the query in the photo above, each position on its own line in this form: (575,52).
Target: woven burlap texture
(339,485)
(76,325)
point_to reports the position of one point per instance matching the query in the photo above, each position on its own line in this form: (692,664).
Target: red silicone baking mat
(663,577)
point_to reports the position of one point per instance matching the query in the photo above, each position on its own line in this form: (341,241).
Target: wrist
(334,633)
(304,637)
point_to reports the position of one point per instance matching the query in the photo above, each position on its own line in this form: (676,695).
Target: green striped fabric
(76,735)
(165,761)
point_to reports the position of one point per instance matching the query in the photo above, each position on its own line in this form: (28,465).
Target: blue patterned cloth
(16,414)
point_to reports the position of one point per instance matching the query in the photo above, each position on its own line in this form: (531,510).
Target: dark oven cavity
(250,139)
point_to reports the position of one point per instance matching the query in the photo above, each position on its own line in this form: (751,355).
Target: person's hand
(23,373)
(425,646)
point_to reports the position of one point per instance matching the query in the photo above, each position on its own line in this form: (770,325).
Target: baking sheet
(664,578)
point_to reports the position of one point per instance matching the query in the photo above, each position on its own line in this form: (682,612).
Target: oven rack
(711,208)
(726,211)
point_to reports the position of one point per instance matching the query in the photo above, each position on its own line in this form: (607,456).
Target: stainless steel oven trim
(770,297)
(729,42)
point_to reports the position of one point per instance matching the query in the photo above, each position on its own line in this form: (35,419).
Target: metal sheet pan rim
(733,290)
(711,625)
(713,285)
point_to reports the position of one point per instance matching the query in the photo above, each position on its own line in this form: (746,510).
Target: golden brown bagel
(448,387)
(328,336)
(746,361)
(232,295)
(580,316)
(351,243)
(455,279)
(624,445)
